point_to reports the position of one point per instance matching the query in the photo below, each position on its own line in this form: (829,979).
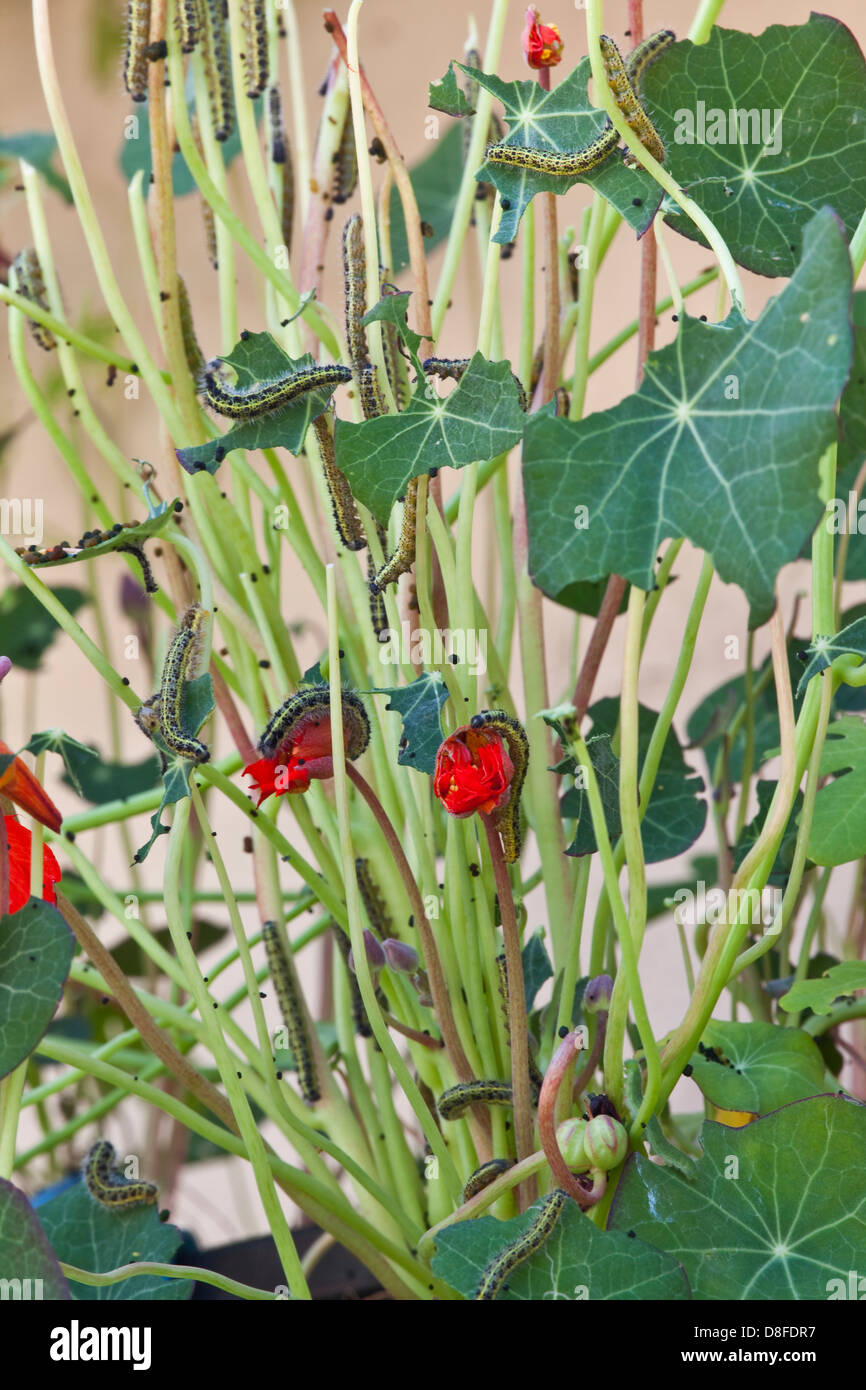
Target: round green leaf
(28,1264)
(36,949)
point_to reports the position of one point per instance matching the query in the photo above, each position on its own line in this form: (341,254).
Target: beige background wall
(405,45)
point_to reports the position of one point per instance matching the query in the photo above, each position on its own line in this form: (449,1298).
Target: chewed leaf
(419,705)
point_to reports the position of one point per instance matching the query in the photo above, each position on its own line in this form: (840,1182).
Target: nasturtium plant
(467,520)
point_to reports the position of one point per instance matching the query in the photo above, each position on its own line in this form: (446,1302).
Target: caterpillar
(109,1187)
(293,1011)
(397,378)
(275,124)
(404,556)
(359,1014)
(217,70)
(181,661)
(355,291)
(188,22)
(135,61)
(346,519)
(627,100)
(150,584)
(307,709)
(371,897)
(378,613)
(263,397)
(645,53)
(507,819)
(564,165)
(453,369)
(30,284)
(255,55)
(485,1175)
(454,1102)
(536,1080)
(548,1212)
(192,351)
(287,205)
(345,161)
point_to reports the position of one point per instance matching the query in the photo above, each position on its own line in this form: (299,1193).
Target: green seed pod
(605,1142)
(570,1136)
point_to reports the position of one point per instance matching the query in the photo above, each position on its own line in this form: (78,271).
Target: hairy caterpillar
(454,1102)
(29,281)
(507,819)
(293,1011)
(249,402)
(345,163)
(275,124)
(453,368)
(188,22)
(346,519)
(627,100)
(135,59)
(548,1212)
(536,1080)
(191,349)
(181,661)
(359,1014)
(217,70)
(485,1175)
(308,708)
(645,53)
(109,1187)
(397,378)
(378,613)
(355,292)
(255,46)
(404,556)
(377,913)
(565,165)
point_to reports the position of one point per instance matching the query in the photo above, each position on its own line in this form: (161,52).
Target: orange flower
(19,840)
(18,783)
(473,772)
(542,45)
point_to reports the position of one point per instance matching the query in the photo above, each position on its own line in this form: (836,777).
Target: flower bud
(605,1142)
(400,956)
(541,43)
(597,995)
(5,666)
(372,950)
(133,600)
(569,1137)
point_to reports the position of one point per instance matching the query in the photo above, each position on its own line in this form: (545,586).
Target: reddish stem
(560,1064)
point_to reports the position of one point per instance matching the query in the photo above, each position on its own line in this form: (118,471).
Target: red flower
(19,840)
(542,46)
(473,772)
(18,783)
(304,753)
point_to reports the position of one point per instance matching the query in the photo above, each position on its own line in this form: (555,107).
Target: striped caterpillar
(181,661)
(309,708)
(404,556)
(359,1014)
(217,70)
(346,519)
(627,99)
(355,289)
(292,1009)
(188,22)
(275,124)
(624,81)
(507,818)
(263,397)
(453,1103)
(30,284)
(485,1175)
(345,160)
(454,368)
(255,46)
(109,1187)
(135,59)
(378,613)
(548,1212)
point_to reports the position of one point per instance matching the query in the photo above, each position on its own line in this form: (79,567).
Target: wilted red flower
(296,746)
(542,45)
(473,772)
(18,783)
(19,839)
